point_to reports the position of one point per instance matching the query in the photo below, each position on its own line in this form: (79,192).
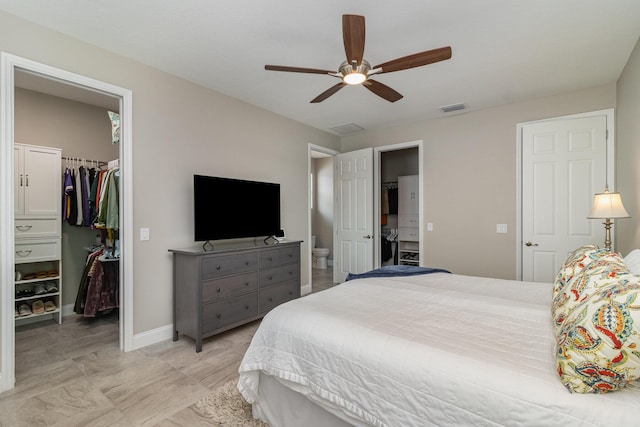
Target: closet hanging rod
(79,159)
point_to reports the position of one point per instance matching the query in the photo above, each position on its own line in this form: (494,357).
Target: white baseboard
(67,310)
(305,289)
(153,336)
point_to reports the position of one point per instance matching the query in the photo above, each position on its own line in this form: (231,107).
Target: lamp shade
(608,205)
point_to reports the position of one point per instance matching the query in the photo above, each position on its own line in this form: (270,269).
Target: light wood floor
(73,374)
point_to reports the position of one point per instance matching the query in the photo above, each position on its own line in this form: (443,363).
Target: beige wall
(470,178)
(322,226)
(180,128)
(627,231)
(80,130)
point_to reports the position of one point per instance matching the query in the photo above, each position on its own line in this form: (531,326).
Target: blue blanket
(396,270)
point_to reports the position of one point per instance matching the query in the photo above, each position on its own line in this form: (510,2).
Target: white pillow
(633,261)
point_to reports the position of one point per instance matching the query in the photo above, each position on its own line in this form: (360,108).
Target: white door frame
(377,184)
(609,113)
(9,64)
(306,289)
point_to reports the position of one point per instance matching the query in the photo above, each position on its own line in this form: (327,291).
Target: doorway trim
(377,184)
(306,289)
(610,142)
(8,65)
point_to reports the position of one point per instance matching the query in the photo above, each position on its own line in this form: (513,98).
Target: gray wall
(180,129)
(470,178)
(627,231)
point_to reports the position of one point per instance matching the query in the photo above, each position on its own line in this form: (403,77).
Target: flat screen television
(226,208)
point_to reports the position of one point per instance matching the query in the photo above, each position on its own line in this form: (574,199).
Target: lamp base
(607,236)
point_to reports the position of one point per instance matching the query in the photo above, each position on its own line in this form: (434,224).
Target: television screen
(226,208)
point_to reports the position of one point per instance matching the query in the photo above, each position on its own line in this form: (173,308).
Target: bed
(424,350)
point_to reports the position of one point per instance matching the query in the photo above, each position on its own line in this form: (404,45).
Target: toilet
(319,255)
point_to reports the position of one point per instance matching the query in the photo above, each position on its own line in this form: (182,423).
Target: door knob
(531,244)
(368,236)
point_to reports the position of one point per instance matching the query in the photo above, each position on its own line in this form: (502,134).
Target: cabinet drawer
(217,289)
(408,221)
(273,276)
(219,314)
(289,255)
(47,227)
(276,295)
(37,250)
(409,234)
(217,266)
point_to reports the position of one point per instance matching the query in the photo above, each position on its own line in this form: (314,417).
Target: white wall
(470,177)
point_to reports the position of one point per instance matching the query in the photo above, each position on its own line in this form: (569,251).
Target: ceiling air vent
(453,107)
(347,128)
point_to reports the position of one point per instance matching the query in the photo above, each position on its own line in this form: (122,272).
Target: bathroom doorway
(321,211)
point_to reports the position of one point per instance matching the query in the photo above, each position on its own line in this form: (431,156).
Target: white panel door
(42,180)
(563,165)
(353,223)
(18,179)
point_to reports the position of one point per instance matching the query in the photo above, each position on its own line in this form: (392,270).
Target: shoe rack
(38,292)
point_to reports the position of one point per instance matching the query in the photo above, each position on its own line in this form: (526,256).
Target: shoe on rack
(39,289)
(37,307)
(50,287)
(49,306)
(24,310)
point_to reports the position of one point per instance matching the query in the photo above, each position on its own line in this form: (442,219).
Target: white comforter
(437,349)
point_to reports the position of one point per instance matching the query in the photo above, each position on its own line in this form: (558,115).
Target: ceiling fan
(355,70)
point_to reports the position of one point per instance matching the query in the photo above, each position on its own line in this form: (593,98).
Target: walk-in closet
(399,198)
(75,277)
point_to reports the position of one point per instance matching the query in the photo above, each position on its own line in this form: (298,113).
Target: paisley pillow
(598,344)
(574,263)
(600,268)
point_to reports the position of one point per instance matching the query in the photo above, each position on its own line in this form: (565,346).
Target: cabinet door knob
(218,290)
(27,180)
(290,292)
(246,307)
(270,259)
(246,283)
(217,315)
(270,299)
(270,277)
(217,267)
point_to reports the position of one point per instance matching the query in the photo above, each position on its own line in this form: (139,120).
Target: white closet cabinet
(408,214)
(38,222)
(37,181)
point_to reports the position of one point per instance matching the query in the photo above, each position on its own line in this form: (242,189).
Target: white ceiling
(504,51)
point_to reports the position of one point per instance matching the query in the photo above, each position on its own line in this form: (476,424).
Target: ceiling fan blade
(382,90)
(327,93)
(353,33)
(296,69)
(416,60)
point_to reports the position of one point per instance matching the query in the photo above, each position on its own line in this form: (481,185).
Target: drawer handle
(24,227)
(23,253)
(270,277)
(218,267)
(246,307)
(246,283)
(218,290)
(269,258)
(217,315)
(246,262)
(290,292)
(270,299)
(290,273)
(290,255)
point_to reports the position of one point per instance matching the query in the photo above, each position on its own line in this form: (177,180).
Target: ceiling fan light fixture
(354,75)
(354,78)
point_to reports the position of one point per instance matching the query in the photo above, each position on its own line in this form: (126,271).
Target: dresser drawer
(408,221)
(289,255)
(217,266)
(276,295)
(273,276)
(219,314)
(408,234)
(269,258)
(40,227)
(37,250)
(217,289)
(246,262)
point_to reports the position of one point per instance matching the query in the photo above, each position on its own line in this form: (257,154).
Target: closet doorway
(24,79)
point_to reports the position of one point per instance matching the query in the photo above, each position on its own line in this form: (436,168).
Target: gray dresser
(217,290)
